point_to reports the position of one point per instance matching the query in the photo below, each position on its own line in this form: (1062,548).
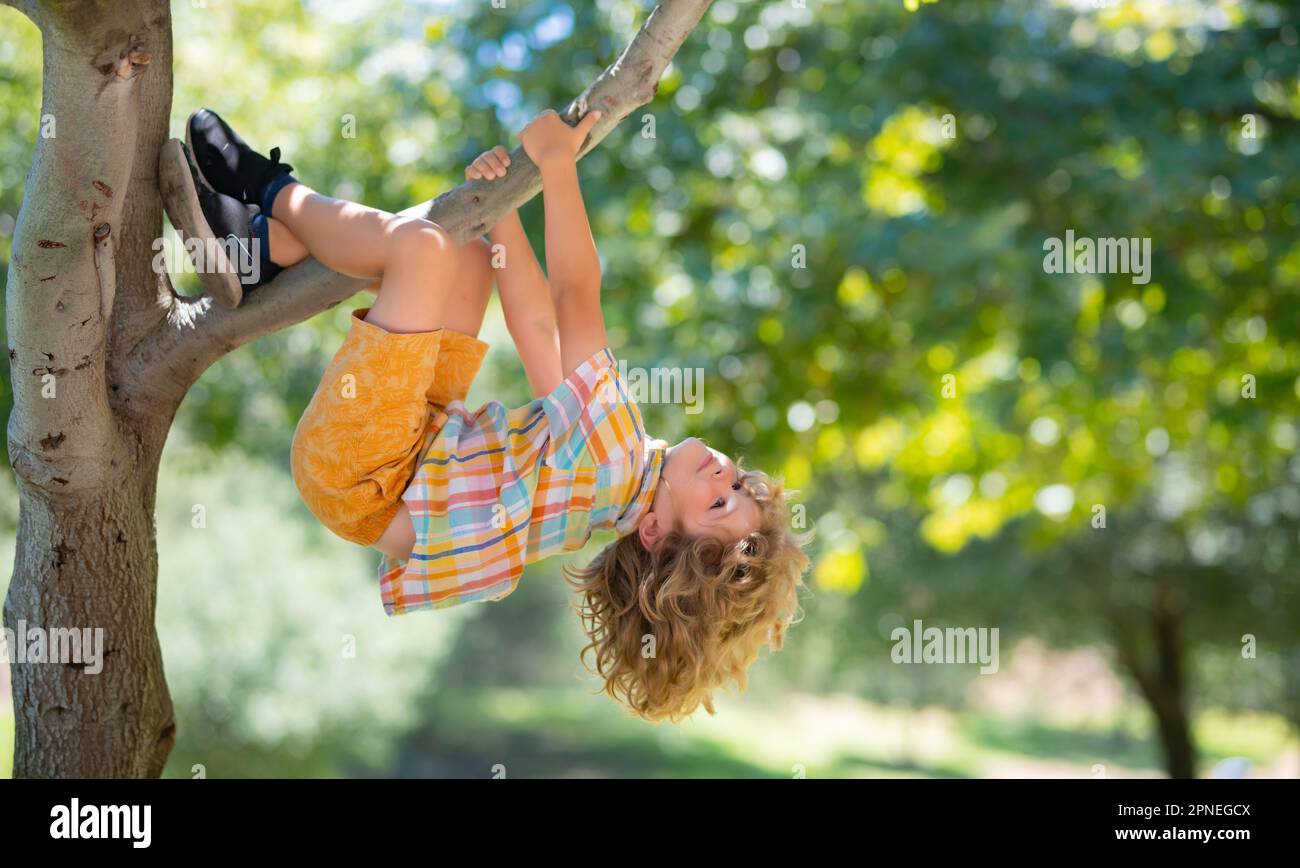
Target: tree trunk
(1170,703)
(86,461)
(1163,685)
(102,351)
(1175,737)
(91,562)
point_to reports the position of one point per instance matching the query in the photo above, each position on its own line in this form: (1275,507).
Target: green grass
(558,734)
(549,733)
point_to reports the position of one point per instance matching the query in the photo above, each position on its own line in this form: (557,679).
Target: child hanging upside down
(705,569)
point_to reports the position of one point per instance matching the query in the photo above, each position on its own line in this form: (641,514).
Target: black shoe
(227,256)
(227,162)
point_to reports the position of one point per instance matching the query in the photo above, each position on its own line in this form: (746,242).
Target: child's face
(703,496)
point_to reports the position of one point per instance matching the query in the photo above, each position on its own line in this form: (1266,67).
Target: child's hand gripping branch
(556,323)
(571,260)
(522,286)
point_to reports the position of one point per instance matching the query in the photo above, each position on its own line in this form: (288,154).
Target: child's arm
(571,260)
(526,303)
(522,288)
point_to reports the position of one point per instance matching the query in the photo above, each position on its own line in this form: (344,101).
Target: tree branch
(465,212)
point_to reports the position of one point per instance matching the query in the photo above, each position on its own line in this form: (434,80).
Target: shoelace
(275,160)
(270,173)
(276,168)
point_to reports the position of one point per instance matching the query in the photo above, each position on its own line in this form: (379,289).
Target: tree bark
(103,350)
(1163,685)
(86,464)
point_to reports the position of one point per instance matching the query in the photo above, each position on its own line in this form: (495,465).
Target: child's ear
(650,531)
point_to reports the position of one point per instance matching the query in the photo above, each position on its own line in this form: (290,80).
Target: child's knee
(419,238)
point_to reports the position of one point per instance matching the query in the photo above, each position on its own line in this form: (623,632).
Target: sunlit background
(840,218)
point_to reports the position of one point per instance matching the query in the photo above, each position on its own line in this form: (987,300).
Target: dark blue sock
(262,233)
(268,195)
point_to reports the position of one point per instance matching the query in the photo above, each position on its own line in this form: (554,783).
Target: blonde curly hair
(670,626)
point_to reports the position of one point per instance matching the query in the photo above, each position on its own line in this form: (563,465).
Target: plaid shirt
(499,489)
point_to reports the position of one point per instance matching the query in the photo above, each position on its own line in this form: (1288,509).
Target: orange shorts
(359,443)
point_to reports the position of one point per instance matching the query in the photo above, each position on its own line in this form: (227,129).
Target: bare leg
(286,250)
(474,279)
(348,237)
(427,282)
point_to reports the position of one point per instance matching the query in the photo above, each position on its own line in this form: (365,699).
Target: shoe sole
(189,144)
(181,201)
